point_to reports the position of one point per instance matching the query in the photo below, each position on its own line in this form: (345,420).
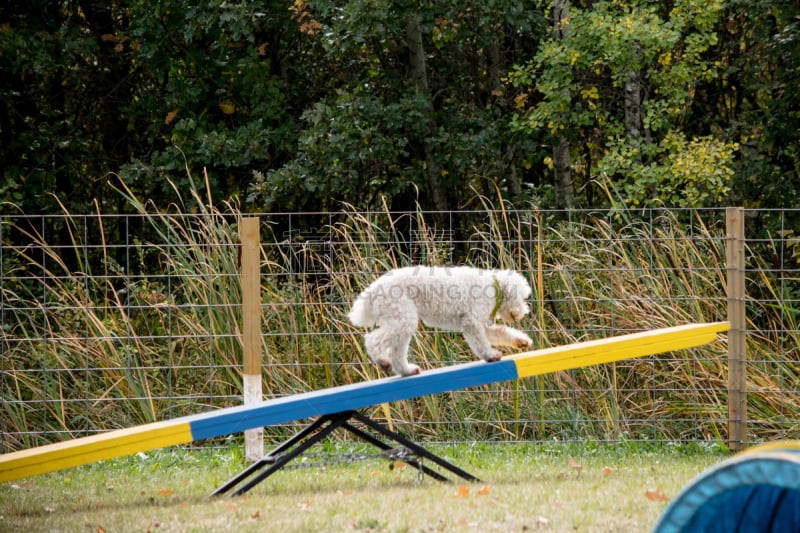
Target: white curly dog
(460,298)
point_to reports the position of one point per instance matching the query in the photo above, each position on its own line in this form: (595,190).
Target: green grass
(553,487)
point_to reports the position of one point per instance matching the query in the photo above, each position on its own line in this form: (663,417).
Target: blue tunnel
(756,491)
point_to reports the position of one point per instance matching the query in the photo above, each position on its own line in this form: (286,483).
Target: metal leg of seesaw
(321,428)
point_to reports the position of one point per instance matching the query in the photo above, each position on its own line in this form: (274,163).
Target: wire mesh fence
(112,321)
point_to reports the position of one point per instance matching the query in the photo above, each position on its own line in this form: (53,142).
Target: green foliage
(759,101)
(220,102)
(694,173)
(139,90)
(356,147)
(374,136)
(260,94)
(581,81)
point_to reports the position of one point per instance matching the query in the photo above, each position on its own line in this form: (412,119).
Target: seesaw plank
(349,397)
(618,348)
(94,448)
(230,420)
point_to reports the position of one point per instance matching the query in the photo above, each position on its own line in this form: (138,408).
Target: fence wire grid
(111,321)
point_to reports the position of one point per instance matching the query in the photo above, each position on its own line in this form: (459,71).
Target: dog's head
(516,290)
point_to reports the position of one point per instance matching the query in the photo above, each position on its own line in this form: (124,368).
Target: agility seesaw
(337,405)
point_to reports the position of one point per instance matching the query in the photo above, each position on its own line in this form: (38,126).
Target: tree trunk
(633,101)
(496,90)
(419,76)
(634,121)
(633,107)
(563,173)
(561,161)
(416,54)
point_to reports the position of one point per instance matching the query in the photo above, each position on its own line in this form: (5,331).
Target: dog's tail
(361,314)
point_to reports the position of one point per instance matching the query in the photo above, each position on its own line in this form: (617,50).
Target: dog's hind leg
(376,345)
(388,344)
(404,321)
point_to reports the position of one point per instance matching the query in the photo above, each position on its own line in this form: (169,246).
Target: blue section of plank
(347,397)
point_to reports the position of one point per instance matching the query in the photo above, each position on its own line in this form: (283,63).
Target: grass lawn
(551,487)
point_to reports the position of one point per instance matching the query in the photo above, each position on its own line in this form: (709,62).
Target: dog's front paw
(517,339)
(410,370)
(492,357)
(523,341)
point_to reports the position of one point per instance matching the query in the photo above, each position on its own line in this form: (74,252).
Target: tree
(61,87)
(311,104)
(142,90)
(215,78)
(416,112)
(619,89)
(562,166)
(756,99)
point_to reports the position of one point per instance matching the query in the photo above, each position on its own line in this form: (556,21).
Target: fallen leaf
(575,465)
(607,470)
(256,515)
(463,492)
(484,491)
(100,529)
(166,492)
(305,506)
(655,495)
(262,49)
(171,116)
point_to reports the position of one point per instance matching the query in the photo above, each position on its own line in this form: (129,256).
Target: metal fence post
(737,350)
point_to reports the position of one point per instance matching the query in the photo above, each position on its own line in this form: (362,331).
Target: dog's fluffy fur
(458,298)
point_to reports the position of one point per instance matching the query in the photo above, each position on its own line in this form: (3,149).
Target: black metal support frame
(321,428)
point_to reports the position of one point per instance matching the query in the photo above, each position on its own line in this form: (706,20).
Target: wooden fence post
(737,350)
(250,281)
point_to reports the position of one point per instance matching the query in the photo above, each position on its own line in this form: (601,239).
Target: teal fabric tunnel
(757,491)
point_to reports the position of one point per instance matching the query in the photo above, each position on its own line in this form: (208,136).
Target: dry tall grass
(106,345)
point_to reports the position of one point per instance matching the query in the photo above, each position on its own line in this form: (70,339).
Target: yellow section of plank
(84,450)
(778,445)
(594,352)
